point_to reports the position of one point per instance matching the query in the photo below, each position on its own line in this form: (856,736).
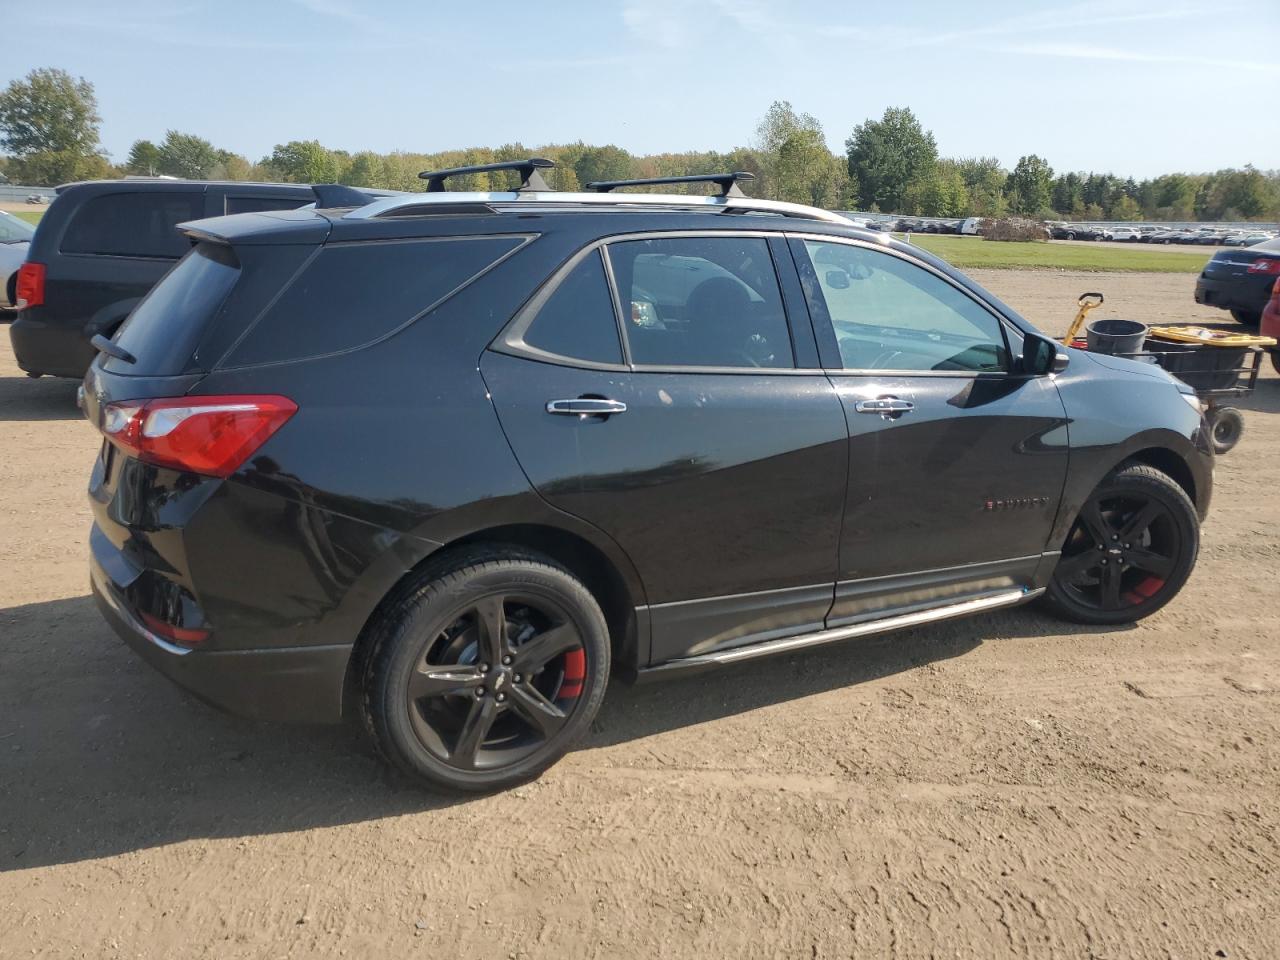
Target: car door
(956,461)
(700,433)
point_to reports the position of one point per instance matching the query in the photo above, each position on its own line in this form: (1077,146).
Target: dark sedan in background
(1240,280)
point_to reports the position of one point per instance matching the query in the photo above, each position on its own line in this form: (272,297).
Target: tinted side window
(133,224)
(702,301)
(258,204)
(577,320)
(352,294)
(889,314)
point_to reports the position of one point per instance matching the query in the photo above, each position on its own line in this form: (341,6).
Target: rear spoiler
(304,224)
(333,195)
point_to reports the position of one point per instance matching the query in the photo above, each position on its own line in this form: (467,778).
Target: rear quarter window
(353,294)
(133,224)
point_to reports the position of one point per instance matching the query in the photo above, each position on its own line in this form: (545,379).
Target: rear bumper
(54,349)
(1234,294)
(290,684)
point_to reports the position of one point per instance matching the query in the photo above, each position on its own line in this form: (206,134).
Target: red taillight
(209,435)
(30,285)
(182,635)
(1270,265)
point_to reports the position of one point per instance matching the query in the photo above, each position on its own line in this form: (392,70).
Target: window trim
(511,339)
(1002,322)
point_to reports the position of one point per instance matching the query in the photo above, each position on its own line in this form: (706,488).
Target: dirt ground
(1005,786)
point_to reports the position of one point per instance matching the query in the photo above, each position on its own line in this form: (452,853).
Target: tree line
(49,126)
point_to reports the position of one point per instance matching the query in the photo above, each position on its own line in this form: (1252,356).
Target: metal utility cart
(1220,366)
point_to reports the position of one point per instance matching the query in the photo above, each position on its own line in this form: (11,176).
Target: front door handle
(886,406)
(586,407)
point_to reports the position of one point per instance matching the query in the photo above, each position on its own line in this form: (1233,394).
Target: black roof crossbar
(530,179)
(727,182)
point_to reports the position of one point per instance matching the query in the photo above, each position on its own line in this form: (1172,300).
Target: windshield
(14,229)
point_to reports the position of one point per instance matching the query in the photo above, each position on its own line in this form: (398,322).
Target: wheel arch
(1167,462)
(601,576)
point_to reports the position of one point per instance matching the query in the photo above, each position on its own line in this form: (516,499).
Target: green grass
(974,252)
(31,216)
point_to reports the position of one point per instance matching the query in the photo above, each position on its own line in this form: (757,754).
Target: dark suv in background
(443,461)
(102,245)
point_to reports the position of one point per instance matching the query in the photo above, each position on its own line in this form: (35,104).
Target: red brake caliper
(1145,590)
(575,670)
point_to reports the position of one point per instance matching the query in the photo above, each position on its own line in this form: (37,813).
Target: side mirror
(837,280)
(1041,356)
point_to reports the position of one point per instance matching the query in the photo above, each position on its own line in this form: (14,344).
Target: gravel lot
(1003,786)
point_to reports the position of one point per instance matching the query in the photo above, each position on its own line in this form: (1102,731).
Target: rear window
(164,328)
(353,294)
(133,224)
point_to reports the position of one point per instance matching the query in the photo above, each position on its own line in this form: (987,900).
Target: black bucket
(1116,337)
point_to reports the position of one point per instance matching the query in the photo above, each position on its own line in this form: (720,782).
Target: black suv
(102,245)
(444,461)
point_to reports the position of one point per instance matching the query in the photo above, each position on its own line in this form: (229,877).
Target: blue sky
(1130,87)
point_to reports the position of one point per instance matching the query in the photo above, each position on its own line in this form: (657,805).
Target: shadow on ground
(100,755)
(46,398)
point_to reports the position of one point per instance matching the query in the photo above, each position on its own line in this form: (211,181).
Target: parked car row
(444,462)
(1153,233)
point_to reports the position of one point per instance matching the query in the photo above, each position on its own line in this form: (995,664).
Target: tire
(1249,318)
(1226,424)
(1149,532)
(483,726)
(1070,235)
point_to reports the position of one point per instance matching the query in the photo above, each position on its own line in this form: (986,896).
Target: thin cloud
(659,23)
(1080,51)
(1068,18)
(339,10)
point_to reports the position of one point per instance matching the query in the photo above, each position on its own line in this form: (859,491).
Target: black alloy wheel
(484,677)
(1131,549)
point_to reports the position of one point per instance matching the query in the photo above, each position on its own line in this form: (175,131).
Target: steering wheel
(757,350)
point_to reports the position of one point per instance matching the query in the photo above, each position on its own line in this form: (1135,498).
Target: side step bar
(1009,598)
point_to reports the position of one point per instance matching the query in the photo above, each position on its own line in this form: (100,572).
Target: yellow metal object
(1210,337)
(1087,302)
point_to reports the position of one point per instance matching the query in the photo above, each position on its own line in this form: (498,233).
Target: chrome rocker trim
(1008,598)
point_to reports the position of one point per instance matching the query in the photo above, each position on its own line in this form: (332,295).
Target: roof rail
(727,182)
(465,203)
(530,179)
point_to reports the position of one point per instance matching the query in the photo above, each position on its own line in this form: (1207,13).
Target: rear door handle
(885,405)
(586,407)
